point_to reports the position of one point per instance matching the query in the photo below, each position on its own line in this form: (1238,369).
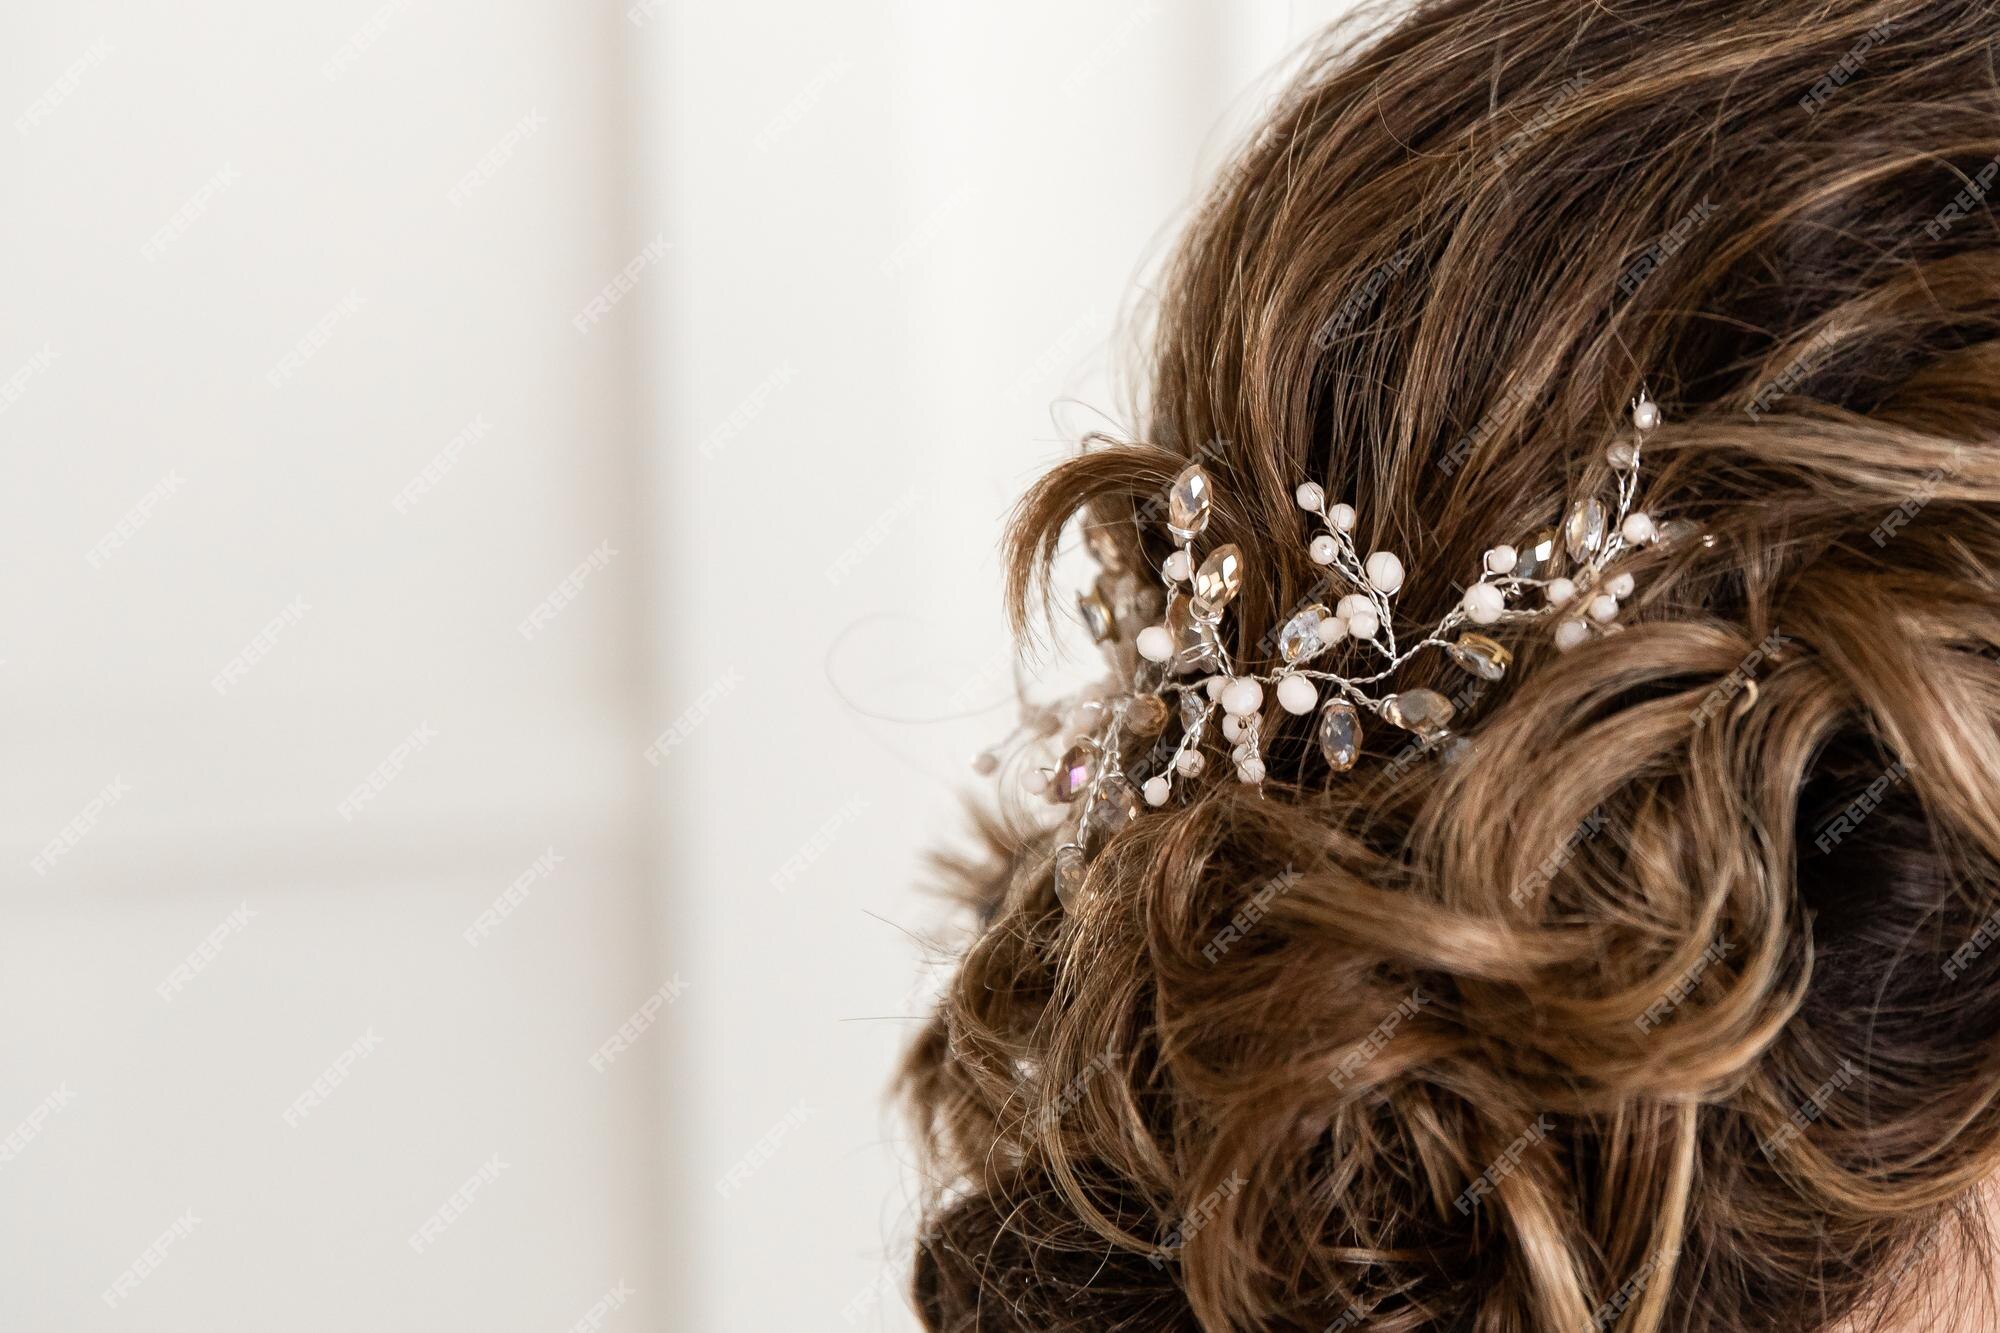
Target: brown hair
(1671,1006)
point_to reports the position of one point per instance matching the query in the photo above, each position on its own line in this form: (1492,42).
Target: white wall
(897,232)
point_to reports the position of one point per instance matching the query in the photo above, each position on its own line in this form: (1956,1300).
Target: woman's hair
(1674,1004)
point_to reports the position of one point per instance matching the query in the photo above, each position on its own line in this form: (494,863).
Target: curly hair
(1671,1006)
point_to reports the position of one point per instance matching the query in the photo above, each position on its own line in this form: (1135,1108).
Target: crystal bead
(1485,658)
(1197,647)
(1079,766)
(1218,581)
(1676,531)
(1583,531)
(1188,503)
(1538,557)
(1340,735)
(1116,804)
(1425,712)
(1146,715)
(1193,709)
(1100,541)
(1069,873)
(1097,615)
(1297,640)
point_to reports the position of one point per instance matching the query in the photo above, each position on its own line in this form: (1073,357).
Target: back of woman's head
(1670,1004)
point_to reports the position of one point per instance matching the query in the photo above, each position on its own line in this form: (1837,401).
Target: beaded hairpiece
(1181,658)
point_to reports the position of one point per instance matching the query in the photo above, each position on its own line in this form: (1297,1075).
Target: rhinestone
(1583,532)
(1194,708)
(1188,503)
(1297,639)
(1097,616)
(1099,540)
(1538,557)
(1218,580)
(1197,647)
(1425,712)
(1079,766)
(1146,715)
(1485,658)
(1069,873)
(1116,804)
(1675,531)
(1340,735)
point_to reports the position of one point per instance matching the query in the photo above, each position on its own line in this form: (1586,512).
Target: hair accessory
(1336,661)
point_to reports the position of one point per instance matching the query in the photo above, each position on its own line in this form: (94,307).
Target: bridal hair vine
(1179,663)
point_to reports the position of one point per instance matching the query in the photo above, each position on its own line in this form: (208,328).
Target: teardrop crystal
(1340,735)
(1218,581)
(1298,640)
(1425,712)
(1676,531)
(1188,503)
(1102,543)
(1073,778)
(1197,647)
(1583,533)
(1146,715)
(1194,708)
(1537,558)
(1116,804)
(1485,658)
(1069,873)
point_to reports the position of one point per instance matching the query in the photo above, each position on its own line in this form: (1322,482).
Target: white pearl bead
(1330,630)
(1214,685)
(1343,517)
(1251,771)
(1036,781)
(1155,791)
(1241,698)
(985,762)
(1560,592)
(1484,602)
(1352,605)
(1502,559)
(1155,644)
(1297,695)
(1638,528)
(1603,607)
(1241,752)
(1570,633)
(1363,624)
(1232,727)
(1646,415)
(1175,567)
(1385,571)
(1322,549)
(1189,763)
(1310,496)
(1619,586)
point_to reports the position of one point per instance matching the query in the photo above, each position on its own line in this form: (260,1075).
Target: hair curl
(1671,1007)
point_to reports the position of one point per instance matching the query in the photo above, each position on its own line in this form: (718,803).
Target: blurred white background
(493,494)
